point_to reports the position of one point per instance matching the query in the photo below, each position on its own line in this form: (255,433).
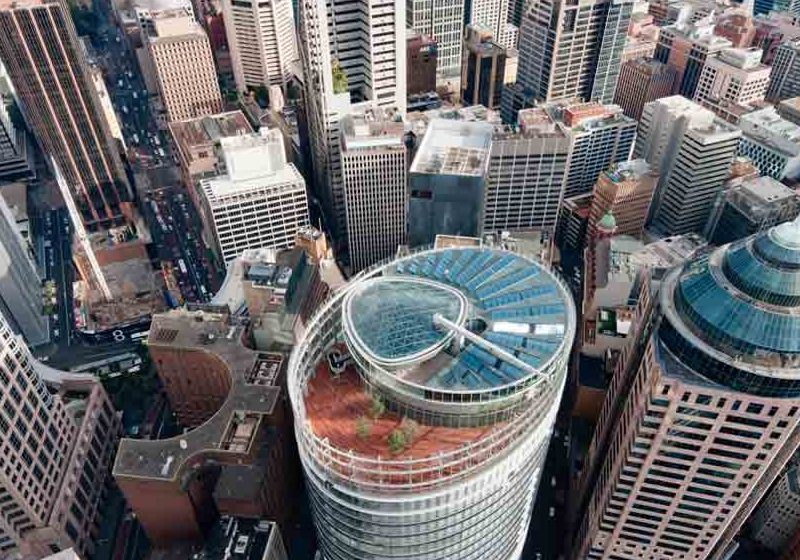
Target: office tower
(184,66)
(752,206)
(527,174)
(624,191)
(601,135)
(261,40)
(736,27)
(256,199)
(21,294)
(389,455)
(147,10)
(14,152)
(421,54)
(483,68)
(686,46)
(237,457)
(772,143)
(374,163)
(39,48)
(702,417)
(732,81)
(777,518)
(572,50)
(341,68)
(772,31)
(789,109)
(768,6)
(447,181)
(692,150)
(642,81)
(444,21)
(493,15)
(260,538)
(573,221)
(641,39)
(58,444)
(785,82)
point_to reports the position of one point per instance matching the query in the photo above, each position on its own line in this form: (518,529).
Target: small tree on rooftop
(362,427)
(377,408)
(409,428)
(396,441)
(339,78)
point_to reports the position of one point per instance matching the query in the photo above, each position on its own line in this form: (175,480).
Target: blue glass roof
(742,298)
(394,317)
(520,301)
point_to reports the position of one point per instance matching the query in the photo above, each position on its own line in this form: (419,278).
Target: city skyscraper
(641,81)
(184,66)
(771,142)
(731,81)
(21,293)
(785,79)
(692,150)
(341,68)
(14,156)
(495,16)
(527,173)
(256,199)
(702,411)
(39,48)
(444,21)
(374,163)
(261,39)
(625,191)
(572,49)
(58,441)
(410,449)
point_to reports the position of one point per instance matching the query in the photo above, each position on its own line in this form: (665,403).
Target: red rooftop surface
(334,404)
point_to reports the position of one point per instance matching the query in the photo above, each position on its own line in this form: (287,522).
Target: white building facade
(259,200)
(261,39)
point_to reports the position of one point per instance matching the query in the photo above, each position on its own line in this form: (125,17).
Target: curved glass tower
(424,395)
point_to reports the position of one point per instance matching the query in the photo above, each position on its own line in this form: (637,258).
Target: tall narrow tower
(342,67)
(39,48)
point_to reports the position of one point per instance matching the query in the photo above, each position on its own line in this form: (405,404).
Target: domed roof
(608,221)
(741,305)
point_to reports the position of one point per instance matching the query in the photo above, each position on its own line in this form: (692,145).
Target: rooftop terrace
(254,393)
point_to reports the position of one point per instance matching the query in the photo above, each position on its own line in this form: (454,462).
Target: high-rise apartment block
(572,49)
(686,46)
(752,206)
(447,181)
(624,191)
(527,173)
(257,199)
(237,459)
(261,40)
(374,163)
(421,55)
(444,21)
(14,152)
(692,150)
(601,135)
(184,66)
(772,143)
(344,68)
(702,415)
(785,82)
(641,81)
(483,68)
(58,433)
(21,295)
(731,81)
(39,48)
